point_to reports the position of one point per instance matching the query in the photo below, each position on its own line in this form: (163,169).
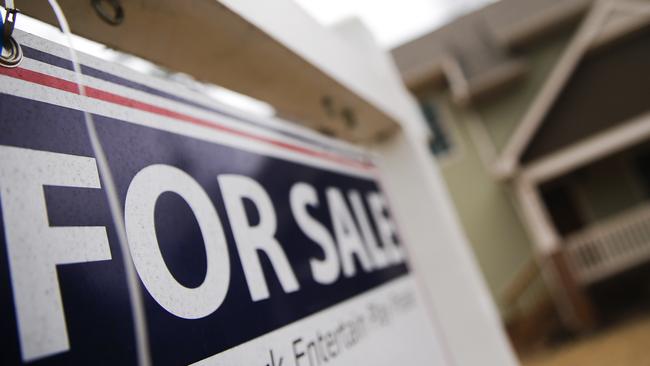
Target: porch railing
(610,246)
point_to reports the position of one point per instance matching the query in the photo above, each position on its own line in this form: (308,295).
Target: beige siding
(500,243)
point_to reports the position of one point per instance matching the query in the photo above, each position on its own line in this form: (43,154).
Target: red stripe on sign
(72,87)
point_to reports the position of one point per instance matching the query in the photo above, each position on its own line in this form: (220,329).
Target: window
(440,143)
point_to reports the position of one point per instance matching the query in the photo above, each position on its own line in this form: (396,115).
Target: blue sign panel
(238,228)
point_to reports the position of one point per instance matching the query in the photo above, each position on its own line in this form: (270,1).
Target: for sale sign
(254,242)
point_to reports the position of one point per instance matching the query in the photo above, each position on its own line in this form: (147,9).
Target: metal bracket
(11,53)
(8,24)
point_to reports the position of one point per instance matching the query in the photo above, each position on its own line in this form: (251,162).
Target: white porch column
(573,306)
(545,237)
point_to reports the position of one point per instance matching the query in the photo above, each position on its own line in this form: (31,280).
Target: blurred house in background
(540,113)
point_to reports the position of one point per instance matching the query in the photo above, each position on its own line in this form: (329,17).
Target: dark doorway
(562,208)
(642,164)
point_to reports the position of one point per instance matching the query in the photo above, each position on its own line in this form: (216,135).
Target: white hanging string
(135,294)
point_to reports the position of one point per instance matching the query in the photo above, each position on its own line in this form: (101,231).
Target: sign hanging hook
(9,21)
(12,53)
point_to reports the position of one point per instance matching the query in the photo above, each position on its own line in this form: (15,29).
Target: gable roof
(606,21)
(475,50)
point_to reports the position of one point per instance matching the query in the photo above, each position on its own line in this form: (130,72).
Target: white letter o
(143,192)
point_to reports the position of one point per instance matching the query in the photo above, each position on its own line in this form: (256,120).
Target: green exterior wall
(485,209)
(485,206)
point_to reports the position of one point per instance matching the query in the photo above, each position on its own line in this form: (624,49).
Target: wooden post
(576,302)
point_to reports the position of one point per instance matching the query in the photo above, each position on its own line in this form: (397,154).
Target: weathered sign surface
(256,242)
